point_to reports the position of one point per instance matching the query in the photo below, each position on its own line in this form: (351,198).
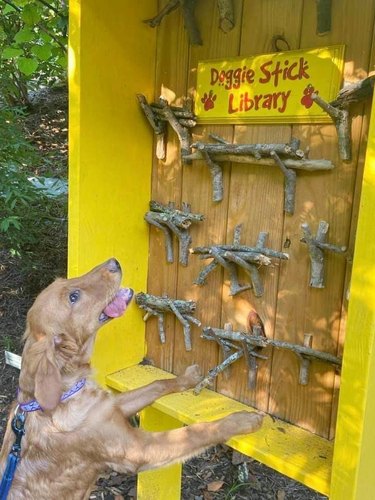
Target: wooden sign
(269,88)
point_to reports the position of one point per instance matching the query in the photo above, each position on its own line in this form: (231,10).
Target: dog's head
(61,327)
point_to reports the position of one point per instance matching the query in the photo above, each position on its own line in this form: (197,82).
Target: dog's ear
(40,373)
(48,387)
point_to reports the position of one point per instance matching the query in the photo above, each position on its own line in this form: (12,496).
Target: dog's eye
(74,296)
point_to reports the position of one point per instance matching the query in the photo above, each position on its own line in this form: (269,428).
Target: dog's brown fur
(70,443)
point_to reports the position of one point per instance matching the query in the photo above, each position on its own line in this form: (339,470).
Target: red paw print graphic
(208,100)
(307,100)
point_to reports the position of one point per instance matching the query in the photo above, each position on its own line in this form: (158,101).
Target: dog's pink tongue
(119,304)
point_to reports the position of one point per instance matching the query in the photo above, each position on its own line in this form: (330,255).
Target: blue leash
(18,427)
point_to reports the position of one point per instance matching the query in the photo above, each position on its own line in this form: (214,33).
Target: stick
(342,124)
(241,248)
(173,221)
(230,256)
(250,269)
(180,113)
(201,280)
(149,217)
(226,15)
(214,372)
(216,176)
(181,218)
(158,126)
(316,253)
(281,154)
(188,7)
(289,185)
(303,164)
(258,341)
(158,306)
(185,324)
(250,353)
(304,361)
(355,92)
(155,21)
(316,247)
(257,150)
(182,132)
(235,287)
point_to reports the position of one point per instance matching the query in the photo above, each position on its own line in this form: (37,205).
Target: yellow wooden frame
(110,175)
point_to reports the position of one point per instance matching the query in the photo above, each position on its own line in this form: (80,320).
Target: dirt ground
(218,473)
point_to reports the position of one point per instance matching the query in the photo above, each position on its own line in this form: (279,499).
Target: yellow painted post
(164,483)
(111,59)
(354,453)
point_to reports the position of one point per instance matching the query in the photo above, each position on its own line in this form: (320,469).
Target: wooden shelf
(286,448)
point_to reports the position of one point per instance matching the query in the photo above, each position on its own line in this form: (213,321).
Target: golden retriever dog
(74,429)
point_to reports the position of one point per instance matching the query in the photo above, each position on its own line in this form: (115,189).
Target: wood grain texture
(196,189)
(254,196)
(353,461)
(282,446)
(327,196)
(170,81)
(257,200)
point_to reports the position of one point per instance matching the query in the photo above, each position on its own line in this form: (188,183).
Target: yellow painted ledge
(286,448)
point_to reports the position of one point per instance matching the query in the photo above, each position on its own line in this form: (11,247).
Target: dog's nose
(113,266)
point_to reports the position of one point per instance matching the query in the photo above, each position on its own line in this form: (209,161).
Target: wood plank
(105,205)
(352,473)
(257,198)
(364,110)
(320,196)
(164,482)
(284,447)
(197,190)
(171,64)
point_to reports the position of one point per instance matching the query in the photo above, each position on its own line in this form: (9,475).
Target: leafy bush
(33,37)
(32,221)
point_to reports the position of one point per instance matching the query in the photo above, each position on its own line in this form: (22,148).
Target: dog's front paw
(190,378)
(243,422)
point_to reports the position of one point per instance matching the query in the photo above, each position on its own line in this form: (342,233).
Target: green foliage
(33,39)
(8,343)
(32,222)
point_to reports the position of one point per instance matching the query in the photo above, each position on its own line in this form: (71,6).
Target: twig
(243,350)
(355,92)
(304,361)
(303,164)
(316,247)
(187,8)
(231,256)
(216,176)
(342,123)
(290,150)
(214,372)
(168,8)
(158,306)
(286,156)
(289,186)
(181,131)
(180,119)
(226,13)
(258,341)
(173,221)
